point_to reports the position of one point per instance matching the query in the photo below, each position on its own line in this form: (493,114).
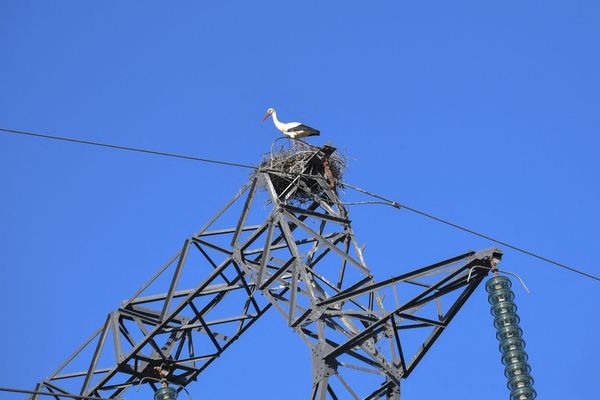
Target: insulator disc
(520,381)
(165,393)
(503,307)
(515,369)
(513,343)
(514,356)
(501,295)
(509,332)
(498,282)
(506,319)
(523,394)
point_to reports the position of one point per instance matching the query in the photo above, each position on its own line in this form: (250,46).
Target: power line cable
(113,146)
(386,201)
(462,228)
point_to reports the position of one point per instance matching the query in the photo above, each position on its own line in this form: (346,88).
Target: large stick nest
(305,160)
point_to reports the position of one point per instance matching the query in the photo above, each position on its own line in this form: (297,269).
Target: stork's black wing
(305,129)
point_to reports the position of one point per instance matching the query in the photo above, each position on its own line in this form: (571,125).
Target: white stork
(293,130)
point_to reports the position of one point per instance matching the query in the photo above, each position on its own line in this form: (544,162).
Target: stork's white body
(293,130)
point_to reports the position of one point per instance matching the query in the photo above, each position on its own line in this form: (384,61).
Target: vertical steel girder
(304,259)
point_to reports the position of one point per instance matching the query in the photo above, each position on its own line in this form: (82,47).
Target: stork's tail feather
(314,133)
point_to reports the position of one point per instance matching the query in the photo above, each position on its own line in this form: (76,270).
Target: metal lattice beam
(306,261)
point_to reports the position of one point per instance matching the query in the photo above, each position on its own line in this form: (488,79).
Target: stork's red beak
(266,116)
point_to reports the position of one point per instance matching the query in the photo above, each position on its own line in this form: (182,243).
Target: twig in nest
(304,160)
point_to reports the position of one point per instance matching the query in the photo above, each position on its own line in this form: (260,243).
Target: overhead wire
(462,228)
(113,146)
(384,200)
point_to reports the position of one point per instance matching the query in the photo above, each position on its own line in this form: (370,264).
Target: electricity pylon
(301,259)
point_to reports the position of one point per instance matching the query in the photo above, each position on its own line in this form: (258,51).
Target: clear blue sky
(485,113)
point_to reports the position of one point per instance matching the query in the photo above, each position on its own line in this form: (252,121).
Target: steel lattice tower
(304,261)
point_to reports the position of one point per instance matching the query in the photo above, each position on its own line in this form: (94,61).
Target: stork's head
(269,112)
